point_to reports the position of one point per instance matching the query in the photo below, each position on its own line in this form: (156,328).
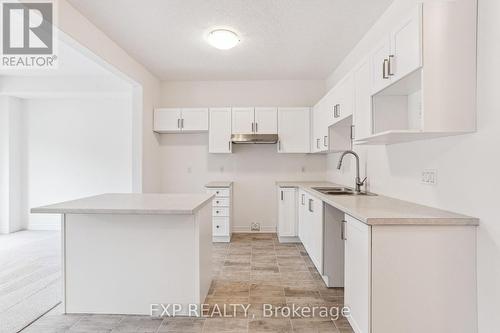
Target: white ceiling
(280,39)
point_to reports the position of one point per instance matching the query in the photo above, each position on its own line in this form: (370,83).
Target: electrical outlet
(255,227)
(429,177)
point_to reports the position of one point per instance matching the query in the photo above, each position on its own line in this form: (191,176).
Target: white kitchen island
(122,253)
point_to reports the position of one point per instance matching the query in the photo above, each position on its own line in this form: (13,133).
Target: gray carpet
(30,277)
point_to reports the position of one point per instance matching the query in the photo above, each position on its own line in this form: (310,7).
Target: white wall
(75,148)
(104,49)
(467,165)
(10,165)
(187,166)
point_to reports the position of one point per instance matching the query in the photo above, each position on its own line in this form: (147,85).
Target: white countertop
(131,203)
(219,184)
(382,210)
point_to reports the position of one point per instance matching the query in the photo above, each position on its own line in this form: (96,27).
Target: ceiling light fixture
(223,39)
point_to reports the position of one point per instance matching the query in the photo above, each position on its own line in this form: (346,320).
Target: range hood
(254,138)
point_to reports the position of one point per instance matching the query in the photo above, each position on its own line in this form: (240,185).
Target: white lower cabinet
(310,217)
(315,219)
(221,213)
(357,270)
(302,216)
(287,214)
(395,274)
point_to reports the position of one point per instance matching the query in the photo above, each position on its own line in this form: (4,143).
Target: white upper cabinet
(344,98)
(194,120)
(243,120)
(260,120)
(406,46)
(167,120)
(424,76)
(177,120)
(379,61)
(266,120)
(400,53)
(219,133)
(362,102)
(294,130)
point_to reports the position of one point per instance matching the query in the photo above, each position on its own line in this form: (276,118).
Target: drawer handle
(217,226)
(217,201)
(216,192)
(217,211)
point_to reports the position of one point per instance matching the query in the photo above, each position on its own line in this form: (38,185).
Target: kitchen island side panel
(121,264)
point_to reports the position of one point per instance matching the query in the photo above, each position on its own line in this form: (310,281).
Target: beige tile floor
(254,269)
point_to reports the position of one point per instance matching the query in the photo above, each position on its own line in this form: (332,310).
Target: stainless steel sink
(340,191)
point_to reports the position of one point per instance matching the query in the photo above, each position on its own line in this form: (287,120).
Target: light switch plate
(429,177)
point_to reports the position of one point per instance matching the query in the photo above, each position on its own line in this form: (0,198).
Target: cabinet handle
(385,64)
(336,113)
(178,123)
(342,230)
(253,127)
(310,206)
(182,123)
(279,145)
(390,71)
(229,145)
(281,195)
(217,226)
(352,132)
(256,127)
(303,202)
(317,143)
(324,141)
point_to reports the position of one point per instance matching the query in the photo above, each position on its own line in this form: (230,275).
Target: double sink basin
(340,191)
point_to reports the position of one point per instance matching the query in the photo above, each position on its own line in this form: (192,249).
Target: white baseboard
(45,226)
(247,229)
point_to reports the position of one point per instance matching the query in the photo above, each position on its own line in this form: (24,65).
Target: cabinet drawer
(220,211)
(221,202)
(219,192)
(220,226)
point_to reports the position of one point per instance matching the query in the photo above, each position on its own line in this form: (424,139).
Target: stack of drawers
(221,211)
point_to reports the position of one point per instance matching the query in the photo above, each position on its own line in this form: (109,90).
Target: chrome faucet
(359,182)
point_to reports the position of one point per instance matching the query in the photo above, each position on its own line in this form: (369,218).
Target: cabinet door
(362,103)
(194,120)
(357,279)
(406,46)
(318,119)
(302,217)
(287,212)
(379,63)
(243,120)
(345,98)
(219,133)
(266,120)
(294,130)
(167,120)
(316,232)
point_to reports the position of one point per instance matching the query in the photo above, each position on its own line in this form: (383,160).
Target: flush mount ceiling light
(223,39)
